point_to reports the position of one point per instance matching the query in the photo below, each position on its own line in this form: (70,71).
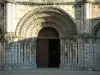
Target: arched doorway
(97,48)
(48,48)
(54,20)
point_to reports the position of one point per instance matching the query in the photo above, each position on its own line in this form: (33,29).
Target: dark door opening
(54,53)
(48,48)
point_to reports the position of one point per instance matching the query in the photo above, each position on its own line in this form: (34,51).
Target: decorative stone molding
(95,29)
(41,15)
(9,37)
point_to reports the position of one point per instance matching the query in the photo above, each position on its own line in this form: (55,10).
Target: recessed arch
(32,19)
(96,34)
(96,28)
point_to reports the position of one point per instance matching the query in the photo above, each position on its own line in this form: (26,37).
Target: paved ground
(48,72)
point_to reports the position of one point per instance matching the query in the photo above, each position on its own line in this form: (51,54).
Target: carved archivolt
(96,29)
(36,19)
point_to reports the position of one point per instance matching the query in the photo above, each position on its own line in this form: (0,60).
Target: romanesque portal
(49,29)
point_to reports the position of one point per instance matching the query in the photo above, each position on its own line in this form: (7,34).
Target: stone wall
(83,16)
(1,34)
(1,16)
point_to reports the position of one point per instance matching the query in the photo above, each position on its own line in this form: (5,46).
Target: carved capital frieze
(8,37)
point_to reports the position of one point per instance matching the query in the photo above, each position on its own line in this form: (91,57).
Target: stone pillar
(87,18)
(69,55)
(86,34)
(64,55)
(61,53)
(83,22)
(1,55)
(7,54)
(7,50)
(9,17)
(33,53)
(85,53)
(79,16)
(80,48)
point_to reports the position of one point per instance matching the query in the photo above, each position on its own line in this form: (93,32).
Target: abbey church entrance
(48,48)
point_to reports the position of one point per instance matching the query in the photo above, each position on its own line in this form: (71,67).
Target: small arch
(95,29)
(48,32)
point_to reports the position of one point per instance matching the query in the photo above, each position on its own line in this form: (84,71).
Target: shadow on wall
(20,54)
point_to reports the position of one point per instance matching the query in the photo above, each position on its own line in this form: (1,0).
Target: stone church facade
(28,29)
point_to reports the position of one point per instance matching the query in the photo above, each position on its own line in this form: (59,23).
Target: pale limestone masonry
(77,22)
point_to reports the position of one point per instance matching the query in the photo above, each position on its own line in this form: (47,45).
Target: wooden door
(42,53)
(46,43)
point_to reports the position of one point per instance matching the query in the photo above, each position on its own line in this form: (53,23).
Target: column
(10,46)
(9,17)
(1,55)
(33,53)
(8,29)
(61,54)
(88,59)
(80,53)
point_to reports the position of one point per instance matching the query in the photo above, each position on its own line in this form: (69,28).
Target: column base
(21,66)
